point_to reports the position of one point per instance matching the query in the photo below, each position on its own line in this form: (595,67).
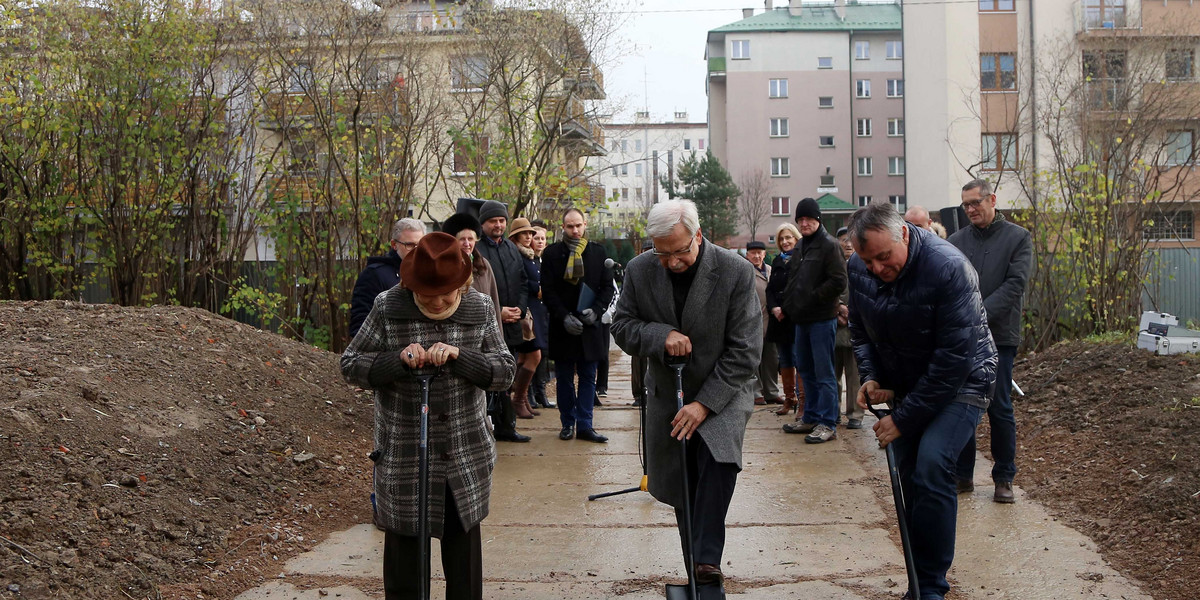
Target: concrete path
(807,521)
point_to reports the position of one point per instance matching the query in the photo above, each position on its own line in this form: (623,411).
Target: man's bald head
(917,215)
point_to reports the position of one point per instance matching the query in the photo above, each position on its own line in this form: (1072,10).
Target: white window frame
(739,49)
(864,200)
(777,88)
(863,128)
(821,102)
(781,166)
(821,141)
(862,50)
(824,62)
(779,127)
(1175,157)
(781,206)
(899,201)
(862,88)
(992,157)
(637,169)
(895,49)
(895,127)
(895,88)
(865,166)
(895,165)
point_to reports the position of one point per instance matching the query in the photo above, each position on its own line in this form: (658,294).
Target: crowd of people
(886,305)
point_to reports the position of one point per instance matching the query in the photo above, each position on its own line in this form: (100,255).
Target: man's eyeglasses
(972,205)
(683,252)
(409,245)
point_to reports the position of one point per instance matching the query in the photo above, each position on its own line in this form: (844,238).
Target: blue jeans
(787,355)
(575,410)
(926,462)
(814,365)
(1002,422)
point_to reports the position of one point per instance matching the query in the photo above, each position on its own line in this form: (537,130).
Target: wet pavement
(807,521)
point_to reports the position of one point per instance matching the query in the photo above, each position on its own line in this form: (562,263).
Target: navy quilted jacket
(925,335)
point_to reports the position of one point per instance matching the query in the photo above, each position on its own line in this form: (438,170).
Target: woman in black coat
(780,329)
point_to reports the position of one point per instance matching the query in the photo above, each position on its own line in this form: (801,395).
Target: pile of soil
(1109,439)
(167,452)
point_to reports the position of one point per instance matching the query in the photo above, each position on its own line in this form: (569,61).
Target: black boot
(505,429)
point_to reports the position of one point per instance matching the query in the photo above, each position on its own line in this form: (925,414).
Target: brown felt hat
(436,266)
(519,224)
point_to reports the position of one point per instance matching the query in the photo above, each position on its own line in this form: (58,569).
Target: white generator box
(1163,345)
(1156,318)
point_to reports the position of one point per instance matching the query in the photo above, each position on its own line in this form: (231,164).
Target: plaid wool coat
(462,451)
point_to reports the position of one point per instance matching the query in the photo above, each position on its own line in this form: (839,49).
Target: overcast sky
(661,60)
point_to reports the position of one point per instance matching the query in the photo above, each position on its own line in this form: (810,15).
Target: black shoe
(854,424)
(590,435)
(638,402)
(512,437)
(596,401)
(567,433)
(548,404)
(602,393)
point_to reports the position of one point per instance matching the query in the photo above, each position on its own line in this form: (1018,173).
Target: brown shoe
(520,394)
(774,400)
(1004,493)
(709,575)
(964,486)
(760,402)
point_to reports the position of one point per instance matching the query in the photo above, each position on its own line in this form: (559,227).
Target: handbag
(527,332)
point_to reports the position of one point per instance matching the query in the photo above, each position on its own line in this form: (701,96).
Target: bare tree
(754,204)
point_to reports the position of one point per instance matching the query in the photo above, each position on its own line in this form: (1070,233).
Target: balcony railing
(1101,16)
(588,83)
(1106,94)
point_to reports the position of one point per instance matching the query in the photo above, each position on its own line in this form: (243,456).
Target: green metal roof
(831,203)
(859,17)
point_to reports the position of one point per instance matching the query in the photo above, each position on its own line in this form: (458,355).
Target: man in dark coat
(693,298)
(816,278)
(1002,254)
(921,338)
(383,272)
(577,340)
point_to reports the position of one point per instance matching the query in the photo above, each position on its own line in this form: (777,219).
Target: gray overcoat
(724,322)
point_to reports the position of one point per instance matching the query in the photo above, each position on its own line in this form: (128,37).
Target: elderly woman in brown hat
(433,319)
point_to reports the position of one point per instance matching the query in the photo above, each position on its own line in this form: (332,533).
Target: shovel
(423,484)
(691,591)
(914,588)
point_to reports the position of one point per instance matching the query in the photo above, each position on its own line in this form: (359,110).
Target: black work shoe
(603,393)
(799,427)
(854,424)
(590,435)
(596,401)
(964,486)
(512,437)
(709,575)
(567,433)
(1004,493)
(638,402)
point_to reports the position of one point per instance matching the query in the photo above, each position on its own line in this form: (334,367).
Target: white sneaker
(821,434)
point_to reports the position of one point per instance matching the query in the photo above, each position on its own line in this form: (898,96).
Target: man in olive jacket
(1002,254)
(816,279)
(690,297)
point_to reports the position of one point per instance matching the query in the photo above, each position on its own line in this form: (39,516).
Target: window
(687,144)
(1104,14)
(866,166)
(864,200)
(624,169)
(300,77)
(997,72)
(1105,71)
(895,127)
(898,201)
(637,169)
(615,145)
(1179,225)
(999,152)
(996,5)
(895,88)
(862,50)
(781,206)
(895,165)
(825,141)
(740,50)
(470,156)
(780,167)
(637,193)
(470,73)
(862,88)
(779,88)
(1179,148)
(1179,64)
(624,145)
(864,128)
(895,50)
(827,181)
(614,170)
(637,145)
(824,62)
(701,143)
(779,127)
(825,102)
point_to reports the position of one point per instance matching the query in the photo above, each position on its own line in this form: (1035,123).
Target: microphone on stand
(610,263)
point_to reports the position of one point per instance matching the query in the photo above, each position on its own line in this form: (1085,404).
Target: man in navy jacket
(383,272)
(921,338)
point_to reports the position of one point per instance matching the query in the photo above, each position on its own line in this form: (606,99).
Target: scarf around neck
(574,271)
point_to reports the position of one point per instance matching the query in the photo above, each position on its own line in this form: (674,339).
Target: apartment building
(812,96)
(637,158)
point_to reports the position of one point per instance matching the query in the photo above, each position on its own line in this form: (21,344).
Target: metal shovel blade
(711,591)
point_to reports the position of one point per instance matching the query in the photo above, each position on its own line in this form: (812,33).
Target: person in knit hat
(816,280)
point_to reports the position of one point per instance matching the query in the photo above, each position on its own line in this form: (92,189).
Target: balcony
(1106,94)
(1105,18)
(716,68)
(588,83)
(577,128)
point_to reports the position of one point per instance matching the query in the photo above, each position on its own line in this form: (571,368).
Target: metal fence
(1174,283)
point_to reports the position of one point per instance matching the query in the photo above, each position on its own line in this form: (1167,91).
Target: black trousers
(462,561)
(711,484)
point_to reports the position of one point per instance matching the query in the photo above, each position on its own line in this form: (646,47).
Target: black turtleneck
(681,283)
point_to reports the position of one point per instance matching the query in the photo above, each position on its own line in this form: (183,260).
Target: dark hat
(492,209)
(460,221)
(436,266)
(808,208)
(519,225)
(841,231)
(755,245)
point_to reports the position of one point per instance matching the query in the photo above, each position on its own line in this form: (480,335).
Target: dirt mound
(167,452)
(1109,438)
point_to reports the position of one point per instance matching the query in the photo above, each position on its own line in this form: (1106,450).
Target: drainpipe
(1033,137)
(853,123)
(904,104)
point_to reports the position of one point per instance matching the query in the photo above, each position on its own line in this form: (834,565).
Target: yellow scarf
(574,271)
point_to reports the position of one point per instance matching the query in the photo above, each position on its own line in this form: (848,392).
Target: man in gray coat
(1002,254)
(689,297)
